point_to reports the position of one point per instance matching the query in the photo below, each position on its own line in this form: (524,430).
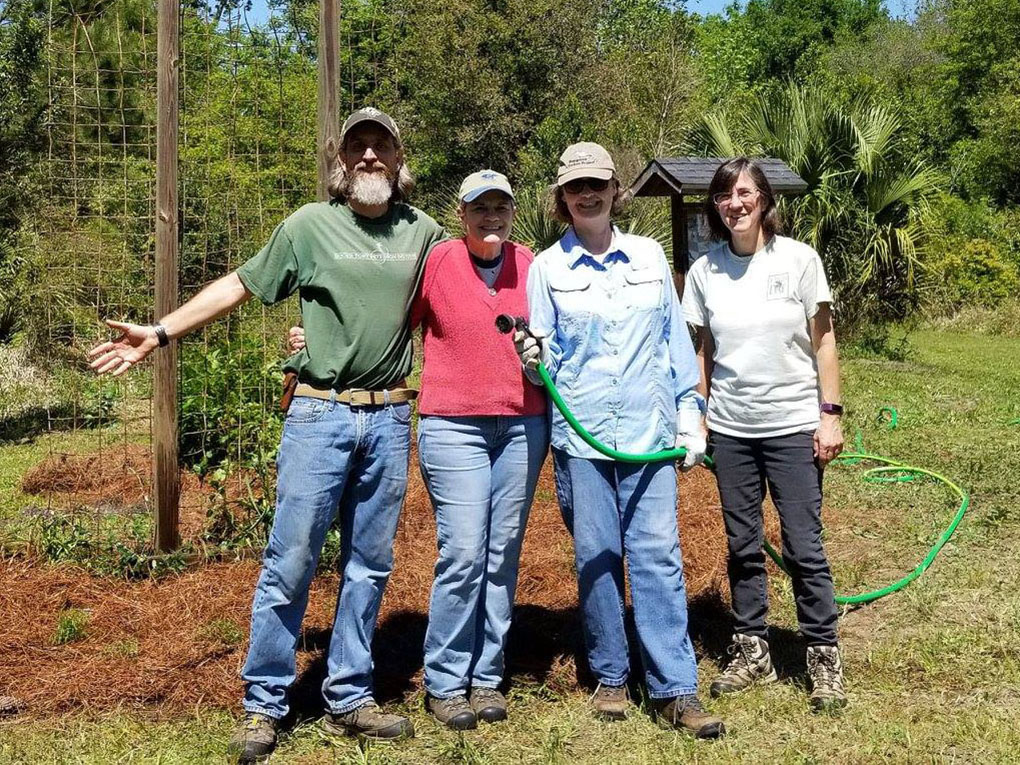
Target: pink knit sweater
(471,369)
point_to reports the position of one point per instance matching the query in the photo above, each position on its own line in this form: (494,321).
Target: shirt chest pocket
(643,288)
(572,295)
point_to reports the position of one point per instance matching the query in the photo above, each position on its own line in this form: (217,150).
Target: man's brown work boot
(825,669)
(370,721)
(255,739)
(686,713)
(611,701)
(750,664)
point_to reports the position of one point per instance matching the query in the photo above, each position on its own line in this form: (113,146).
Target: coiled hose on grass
(889,471)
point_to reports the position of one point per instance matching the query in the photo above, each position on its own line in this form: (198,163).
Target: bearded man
(354,261)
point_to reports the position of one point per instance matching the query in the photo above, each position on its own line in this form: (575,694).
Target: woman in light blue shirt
(616,345)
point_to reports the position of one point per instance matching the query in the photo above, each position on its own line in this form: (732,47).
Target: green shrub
(974,272)
(71,624)
(109,546)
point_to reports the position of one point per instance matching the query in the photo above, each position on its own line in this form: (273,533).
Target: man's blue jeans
(332,456)
(481,474)
(614,509)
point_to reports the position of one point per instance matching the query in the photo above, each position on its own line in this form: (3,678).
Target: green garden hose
(890,470)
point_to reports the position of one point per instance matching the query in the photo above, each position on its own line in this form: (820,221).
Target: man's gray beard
(370,189)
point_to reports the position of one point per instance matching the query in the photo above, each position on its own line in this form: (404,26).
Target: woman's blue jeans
(481,474)
(614,509)
(333,457)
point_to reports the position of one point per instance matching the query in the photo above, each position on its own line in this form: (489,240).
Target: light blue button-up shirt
(615,343)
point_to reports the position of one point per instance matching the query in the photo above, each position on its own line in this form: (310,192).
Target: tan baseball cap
(370,114)
(585,160)
(478,183)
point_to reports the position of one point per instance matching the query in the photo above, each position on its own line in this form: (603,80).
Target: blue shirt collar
(577,255)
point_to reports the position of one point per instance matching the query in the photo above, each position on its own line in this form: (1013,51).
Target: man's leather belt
(359,396)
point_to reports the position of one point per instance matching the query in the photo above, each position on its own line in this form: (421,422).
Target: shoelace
(600,687)
(741,657)
(254,723)
(825,665)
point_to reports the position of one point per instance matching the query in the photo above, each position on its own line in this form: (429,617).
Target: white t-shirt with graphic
(765,376)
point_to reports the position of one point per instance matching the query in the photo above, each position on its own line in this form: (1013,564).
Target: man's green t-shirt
(356,277)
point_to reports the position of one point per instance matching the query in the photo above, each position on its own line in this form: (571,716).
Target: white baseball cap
(478,183)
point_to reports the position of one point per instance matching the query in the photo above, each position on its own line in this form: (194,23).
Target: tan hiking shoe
(611,701)
(825,670)
(455,712)
(686,713)
(488,704)
(750,663)
(370,721)
(254,739)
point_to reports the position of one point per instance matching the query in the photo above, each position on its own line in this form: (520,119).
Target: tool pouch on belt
(290,382)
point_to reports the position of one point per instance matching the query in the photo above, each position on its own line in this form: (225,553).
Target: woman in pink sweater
(483,434)
(482,437)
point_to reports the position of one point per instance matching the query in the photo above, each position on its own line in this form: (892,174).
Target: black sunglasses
(577,185)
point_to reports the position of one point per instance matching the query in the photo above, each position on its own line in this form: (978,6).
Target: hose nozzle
(506,324)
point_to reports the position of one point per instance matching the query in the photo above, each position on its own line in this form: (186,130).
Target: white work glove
(690,435)
(528,349)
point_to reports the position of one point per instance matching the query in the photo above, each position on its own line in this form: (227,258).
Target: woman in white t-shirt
(770,372)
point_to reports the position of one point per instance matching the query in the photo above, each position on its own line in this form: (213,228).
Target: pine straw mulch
(171,645)
(118,479)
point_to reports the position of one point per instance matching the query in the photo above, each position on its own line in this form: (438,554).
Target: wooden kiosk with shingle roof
(675,177)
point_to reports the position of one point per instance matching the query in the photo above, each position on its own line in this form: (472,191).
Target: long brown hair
(724,180)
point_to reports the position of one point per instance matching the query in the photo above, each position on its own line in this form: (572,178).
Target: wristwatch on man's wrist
(836,409)
(161,336)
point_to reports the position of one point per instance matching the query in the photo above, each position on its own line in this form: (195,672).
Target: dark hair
(558,205)
(724,180)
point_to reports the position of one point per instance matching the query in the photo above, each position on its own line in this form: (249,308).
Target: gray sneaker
(750,664)
(611,702)
(369,721)
(254,739)
(454,712)
(488,704)
(825,670)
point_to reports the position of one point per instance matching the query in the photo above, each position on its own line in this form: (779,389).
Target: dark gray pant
(787,465)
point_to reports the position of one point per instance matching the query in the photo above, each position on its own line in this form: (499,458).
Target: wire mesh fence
(247,159)
(88,247)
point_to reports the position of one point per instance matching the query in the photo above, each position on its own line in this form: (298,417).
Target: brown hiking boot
(455,712)
(488,704)
(254,739)
(751,663)
(611,701)
(369,721)
(686,713)
(825,669)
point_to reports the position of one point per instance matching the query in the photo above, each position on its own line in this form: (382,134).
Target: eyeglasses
(577,185)
(743,195)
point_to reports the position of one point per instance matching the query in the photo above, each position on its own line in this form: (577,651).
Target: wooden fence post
(327,141)
(166,471)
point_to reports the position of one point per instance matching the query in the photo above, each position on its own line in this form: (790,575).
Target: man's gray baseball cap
(370,114)
(478,183)
(584,160)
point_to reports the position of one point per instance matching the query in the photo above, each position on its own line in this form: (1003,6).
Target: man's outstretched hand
(117,356)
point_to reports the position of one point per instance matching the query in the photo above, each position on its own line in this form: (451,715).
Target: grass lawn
(933,672)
